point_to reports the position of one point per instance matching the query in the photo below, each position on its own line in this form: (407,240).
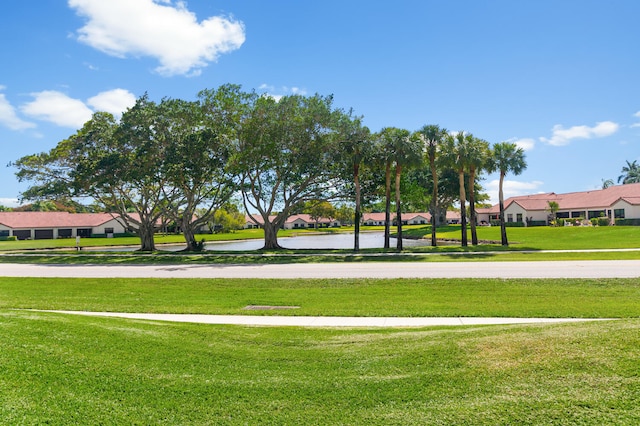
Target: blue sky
(559,78)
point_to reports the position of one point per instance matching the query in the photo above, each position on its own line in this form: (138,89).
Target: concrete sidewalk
(516,269)
(304,321)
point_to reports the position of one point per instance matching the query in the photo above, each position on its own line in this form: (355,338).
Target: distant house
(302,221)
(378,219)
(296,221)
(615,202)
(51,225)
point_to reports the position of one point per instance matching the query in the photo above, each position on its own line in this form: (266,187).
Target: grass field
(62,369)
(533,238)
(527,244)
(602,298)
(76,370)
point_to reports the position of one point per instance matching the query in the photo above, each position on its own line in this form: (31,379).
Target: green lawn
(62,369)
(527,244)
(616,298)
(65,369)
(534,238)
(548,238)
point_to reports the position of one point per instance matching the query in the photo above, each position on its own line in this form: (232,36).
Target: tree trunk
(356,231)
(190,238)
(472,207)
(398,209)
(271,236)
(434,202)
(463,212)
(145,232)
(387,209)
(503,226)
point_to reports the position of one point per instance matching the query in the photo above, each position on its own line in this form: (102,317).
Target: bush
(537,223)
(11,238)
(514,224)
(628,222)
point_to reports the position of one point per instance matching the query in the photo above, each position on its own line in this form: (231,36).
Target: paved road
(545,269)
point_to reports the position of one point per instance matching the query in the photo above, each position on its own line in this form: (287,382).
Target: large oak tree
(284,158)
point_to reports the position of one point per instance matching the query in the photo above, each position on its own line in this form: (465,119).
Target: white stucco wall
(118,227)
(630,211)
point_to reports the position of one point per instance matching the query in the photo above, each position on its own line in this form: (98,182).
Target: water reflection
(327,241)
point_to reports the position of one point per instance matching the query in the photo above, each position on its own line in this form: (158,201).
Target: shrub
(9,238)
(515,224)
(538,223)
(628,222)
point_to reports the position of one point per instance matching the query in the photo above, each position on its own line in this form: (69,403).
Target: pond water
(325,241)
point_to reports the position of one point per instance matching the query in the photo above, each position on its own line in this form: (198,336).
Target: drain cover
(268,308)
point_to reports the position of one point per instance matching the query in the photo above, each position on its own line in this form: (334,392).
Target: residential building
(614,202)
(296,221)
(51,225)
(302,221)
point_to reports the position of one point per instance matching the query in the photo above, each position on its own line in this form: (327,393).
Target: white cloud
(9,202)
(62,110)
(168,32)
(112,101)
(511,188)
(637,115)
(277,93)
(8,116)
(58,108)
(561,136)
(526,144)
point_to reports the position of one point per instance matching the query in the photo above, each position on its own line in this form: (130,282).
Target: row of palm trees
(436,148)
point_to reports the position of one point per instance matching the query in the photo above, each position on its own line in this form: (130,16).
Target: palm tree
(399,150)
(356,142)
(385,153)
(407,153)
(553,208)
(506,157)
(455,153)
(607,183)
(478,156)
(432,137)
(630,173)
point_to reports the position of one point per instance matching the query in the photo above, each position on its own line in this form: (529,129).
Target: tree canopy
(180,161)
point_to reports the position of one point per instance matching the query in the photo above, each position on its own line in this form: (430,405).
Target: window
(509,217)
(64,233)
(108,230)
(596,213)
(4,233)
(562,215)
(618,213)
(519,217)
(84,232)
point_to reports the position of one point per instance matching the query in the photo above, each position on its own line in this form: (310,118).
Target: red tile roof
(595,200)
(31,220)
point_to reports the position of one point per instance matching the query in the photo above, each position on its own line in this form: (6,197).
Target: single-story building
(614,202)
(378,219)
(296,221)
(51,225)
(302,221)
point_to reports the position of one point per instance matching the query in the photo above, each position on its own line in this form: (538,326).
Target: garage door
(44,234)
(22,234)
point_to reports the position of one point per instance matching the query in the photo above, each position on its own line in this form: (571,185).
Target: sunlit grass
(597,298)
(60,369)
